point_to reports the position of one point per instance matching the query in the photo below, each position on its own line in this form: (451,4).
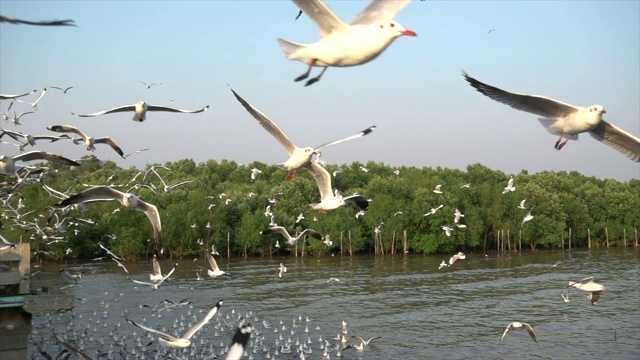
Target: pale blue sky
(582,53)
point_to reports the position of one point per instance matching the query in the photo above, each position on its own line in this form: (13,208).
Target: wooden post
(341,242)
(569,239)
(350,247)
(508,240)
(228,245)
(588,238)
(303,244)
(404,242)
(624,236)
(635,243)
(606,235)
(393,243)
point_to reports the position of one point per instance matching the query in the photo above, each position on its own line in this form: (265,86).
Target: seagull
(587,284)
(185,341)
(442,265)
(7,163)
(328,201)
(364,169)
(521,206)
(16,118)
(447,230)
(518,325)
(30,139)
(215,270)
(64,90)
(268,212)
(140,110)
(565,298)
(363,343)
(155,285)
(254,173)
(341,45)
(72,349)
(398,213)
(89,142)
(68,22)
(434,210)
(359,214)
(457,256)
(282,270)
(333,280)
(290,239)
(509,186)
(121,265)
(273,221)
(35,103)
(299,218)
(157,271)
(10,97)
(527,217)
(465,186)
(396,172)
(109,252)
(458,215)
(327,240)
(169,188)
(70,278)
(7,244)
(239,342)
(128,200)
(566,120)
(298,157)
(437,189)
(136,152)
(148,85)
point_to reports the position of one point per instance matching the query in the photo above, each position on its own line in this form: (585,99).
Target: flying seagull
(89,142)
(215,270)
(8,97)
(298,157)
(509,187)
(157,271)
(8,167)
(329,200)
(588,285)
(140,110)
(185,341)
(64,90)
(341,45)
(128,200)
(527,217)
(457,256)
(68,22)
(239,342)
(290,239)
(148,85)
(154,285)
(519,325)
(566,120)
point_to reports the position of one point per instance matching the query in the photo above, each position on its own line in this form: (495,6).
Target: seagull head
(395,28)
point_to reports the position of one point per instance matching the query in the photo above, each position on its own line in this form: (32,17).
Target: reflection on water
(419,311)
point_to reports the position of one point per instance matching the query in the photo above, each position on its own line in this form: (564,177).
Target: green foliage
(224,203)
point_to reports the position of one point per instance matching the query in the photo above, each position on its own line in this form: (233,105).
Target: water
(419,311)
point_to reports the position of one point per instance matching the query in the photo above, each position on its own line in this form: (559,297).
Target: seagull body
(527,217)
(298,157)
(457,215)
(215,270)
(566,120)
(128,200)
(155,285)
(565,298)
(157,271)
(7,163)
(239,342)
(363,342)
(35,103)
(299,218)
(254,173)
(290,239)
(89,142)
(30,139)
(443,264)
(140,110)
(282,270)
(518,325)
(434,210)
(341,44)
(437,189)
(328,200)
(457,256)
(588,285)
(149,85)
(447,230)
(521,206)
(185,341)
(109,252)
(509,186)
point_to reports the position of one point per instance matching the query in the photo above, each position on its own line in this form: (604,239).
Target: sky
(579,52)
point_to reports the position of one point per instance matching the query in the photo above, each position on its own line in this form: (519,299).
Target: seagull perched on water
(185,341)
(519,325)
(290,239)
(8,167)
(363,342)
(588,285)
(215,270)
(329,200)
(128,200)
(140,110)
(89,142)
(341,45)
(566,120)
(298,157)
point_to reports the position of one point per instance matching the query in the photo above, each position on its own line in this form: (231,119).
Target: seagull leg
(306,75)
(290,175)
(315,79)
(563,144)
(559,145)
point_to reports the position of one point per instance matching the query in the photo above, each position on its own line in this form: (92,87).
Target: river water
(419,311)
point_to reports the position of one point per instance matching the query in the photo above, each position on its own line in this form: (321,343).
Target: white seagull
(447,230)
(8,167)
(518,325)
(155,285)
(64,90)
(298,157)
(290,239)
(566,120)
(282,270)
(341,45)
(10,97)
(89,142)
(434,210)
(588,285)
(443,264)
(215,270)
(128,200)
(239,342)
(169,188)
(437,189)
(457,256)
(521,206)
(254,173)
(457,215)
(509,186)
(140,110)
(185,340)
(157,271)
(527,217)
(329,201)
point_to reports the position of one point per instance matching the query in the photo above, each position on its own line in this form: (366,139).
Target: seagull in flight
(298,157)
(519,325)
(290,239)
(155,285)
(329,200)
(527,217)
(185,341)
(521,206)
(587,284)
(140,110)
(68,22)
(215,270)
(509,186)
(341,44)
(8,163)
(148,85)
(64,90)
(89,142)
(565,120)
(157,271)
(457,256)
